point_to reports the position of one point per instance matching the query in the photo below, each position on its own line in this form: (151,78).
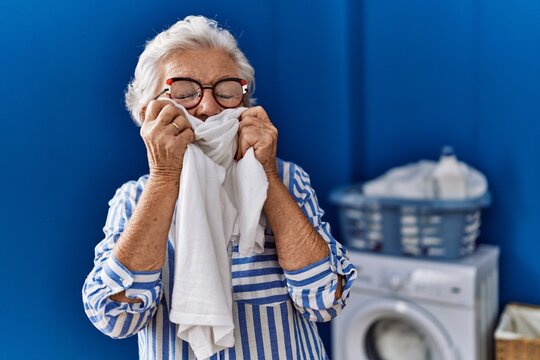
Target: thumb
(243,147)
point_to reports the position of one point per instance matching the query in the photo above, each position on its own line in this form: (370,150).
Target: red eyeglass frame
(242,82)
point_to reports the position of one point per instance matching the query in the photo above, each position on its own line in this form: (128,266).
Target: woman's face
(206,66)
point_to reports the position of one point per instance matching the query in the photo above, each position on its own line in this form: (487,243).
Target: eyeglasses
(228,93)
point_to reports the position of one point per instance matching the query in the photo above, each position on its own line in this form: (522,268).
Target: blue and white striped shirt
(274,310)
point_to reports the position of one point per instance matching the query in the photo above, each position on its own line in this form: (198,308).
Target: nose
(207,107)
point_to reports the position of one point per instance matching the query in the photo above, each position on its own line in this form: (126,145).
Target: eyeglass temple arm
(161,93)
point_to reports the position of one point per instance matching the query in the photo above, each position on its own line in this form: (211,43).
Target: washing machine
(406,308)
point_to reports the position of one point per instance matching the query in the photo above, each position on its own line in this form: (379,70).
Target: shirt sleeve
(109,277)
(313,288)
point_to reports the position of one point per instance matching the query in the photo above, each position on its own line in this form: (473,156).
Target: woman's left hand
(258,132)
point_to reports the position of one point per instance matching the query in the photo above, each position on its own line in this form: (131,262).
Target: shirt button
(125,282)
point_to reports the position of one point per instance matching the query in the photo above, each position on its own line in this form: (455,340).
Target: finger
(256,111)
(255,127)
(251,133)
(245,126)
(188,136)
(241,134)
(182,140)
(182,122)
(238,154)
(172,129)
(178,125)
(257,117)
(249,121)
(168,114)
(241,140)
(239,150)
(153,109)
(247,141)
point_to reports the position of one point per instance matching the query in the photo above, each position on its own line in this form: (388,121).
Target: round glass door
(390,329)
(396,339)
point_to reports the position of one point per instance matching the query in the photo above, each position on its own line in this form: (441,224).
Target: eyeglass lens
(187,93)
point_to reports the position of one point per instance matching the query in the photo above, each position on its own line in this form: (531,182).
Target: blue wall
(464,73)
(420,74)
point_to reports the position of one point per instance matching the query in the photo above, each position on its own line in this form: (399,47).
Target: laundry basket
(518,334)
(445,229)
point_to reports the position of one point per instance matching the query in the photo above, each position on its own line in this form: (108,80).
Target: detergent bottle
(449,180)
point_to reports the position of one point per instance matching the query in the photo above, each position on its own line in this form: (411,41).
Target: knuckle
(186,136)
(169,148)
(174,109)
(146,131)
(182,121)
(165,111)
(151,107)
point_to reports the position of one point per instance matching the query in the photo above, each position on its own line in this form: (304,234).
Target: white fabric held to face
(219,200)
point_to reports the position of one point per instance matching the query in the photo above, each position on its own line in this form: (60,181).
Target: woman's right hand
(165,142)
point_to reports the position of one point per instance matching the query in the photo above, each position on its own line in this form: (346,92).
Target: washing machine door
(388,329)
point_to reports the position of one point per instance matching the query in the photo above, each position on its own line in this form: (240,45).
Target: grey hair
(193,32)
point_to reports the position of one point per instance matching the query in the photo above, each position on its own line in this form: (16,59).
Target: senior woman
(302,276)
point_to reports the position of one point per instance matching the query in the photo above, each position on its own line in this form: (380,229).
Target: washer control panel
(440,286)
(412,280)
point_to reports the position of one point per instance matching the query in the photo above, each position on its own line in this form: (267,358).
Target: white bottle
(449,180)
